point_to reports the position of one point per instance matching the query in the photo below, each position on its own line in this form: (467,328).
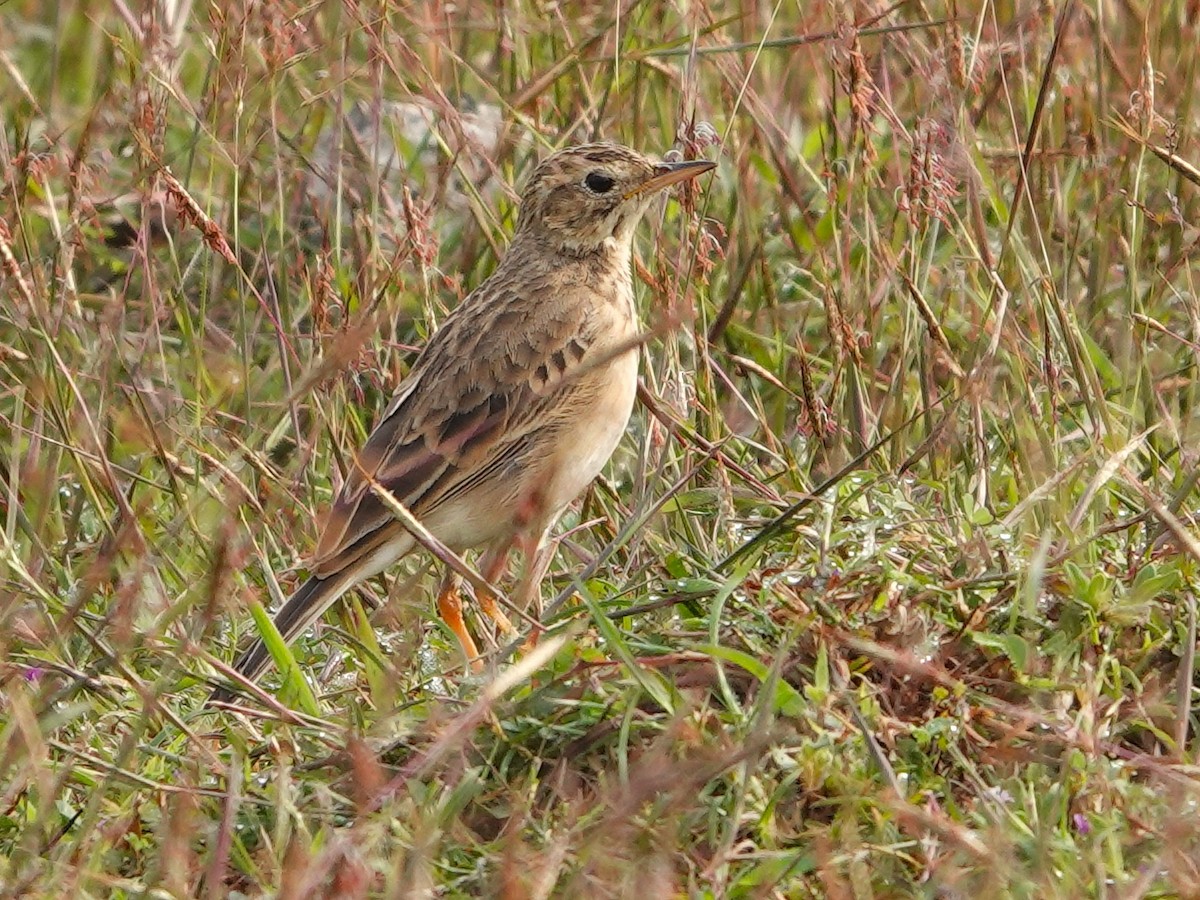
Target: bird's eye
(599,183)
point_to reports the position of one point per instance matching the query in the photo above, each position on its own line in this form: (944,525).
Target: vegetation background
(889,592)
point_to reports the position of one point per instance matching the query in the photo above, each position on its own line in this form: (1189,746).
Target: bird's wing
(476,397)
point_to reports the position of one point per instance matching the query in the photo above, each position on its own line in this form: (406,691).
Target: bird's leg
(528,595)
(537,563)
(491,567)
(449,603)
(536,549)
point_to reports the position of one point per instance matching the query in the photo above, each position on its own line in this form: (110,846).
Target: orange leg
(538,557)
(492,566)
(449,605)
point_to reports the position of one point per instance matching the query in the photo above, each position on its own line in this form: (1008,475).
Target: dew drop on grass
(926,651)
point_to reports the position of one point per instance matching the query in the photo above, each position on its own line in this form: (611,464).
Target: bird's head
(584,198)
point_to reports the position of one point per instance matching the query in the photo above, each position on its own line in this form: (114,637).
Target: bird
(514,405)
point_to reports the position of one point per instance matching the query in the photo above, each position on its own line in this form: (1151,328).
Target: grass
(890,591)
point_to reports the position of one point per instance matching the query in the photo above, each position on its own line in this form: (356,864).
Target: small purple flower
(999,794)
(1081,823)
(34,673)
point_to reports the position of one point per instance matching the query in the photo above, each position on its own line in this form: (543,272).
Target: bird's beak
(669,173)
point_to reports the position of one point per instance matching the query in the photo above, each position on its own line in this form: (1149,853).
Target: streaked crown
(581,198)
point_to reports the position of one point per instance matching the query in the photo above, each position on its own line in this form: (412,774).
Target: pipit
(515,404)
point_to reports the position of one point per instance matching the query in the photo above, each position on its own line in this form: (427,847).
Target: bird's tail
(296,616)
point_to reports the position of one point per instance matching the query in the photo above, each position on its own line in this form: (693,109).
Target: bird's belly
(557,467)
(584,447)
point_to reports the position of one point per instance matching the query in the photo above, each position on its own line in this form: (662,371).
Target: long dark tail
(300,612)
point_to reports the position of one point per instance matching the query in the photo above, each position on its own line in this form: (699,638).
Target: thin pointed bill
(669,173)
